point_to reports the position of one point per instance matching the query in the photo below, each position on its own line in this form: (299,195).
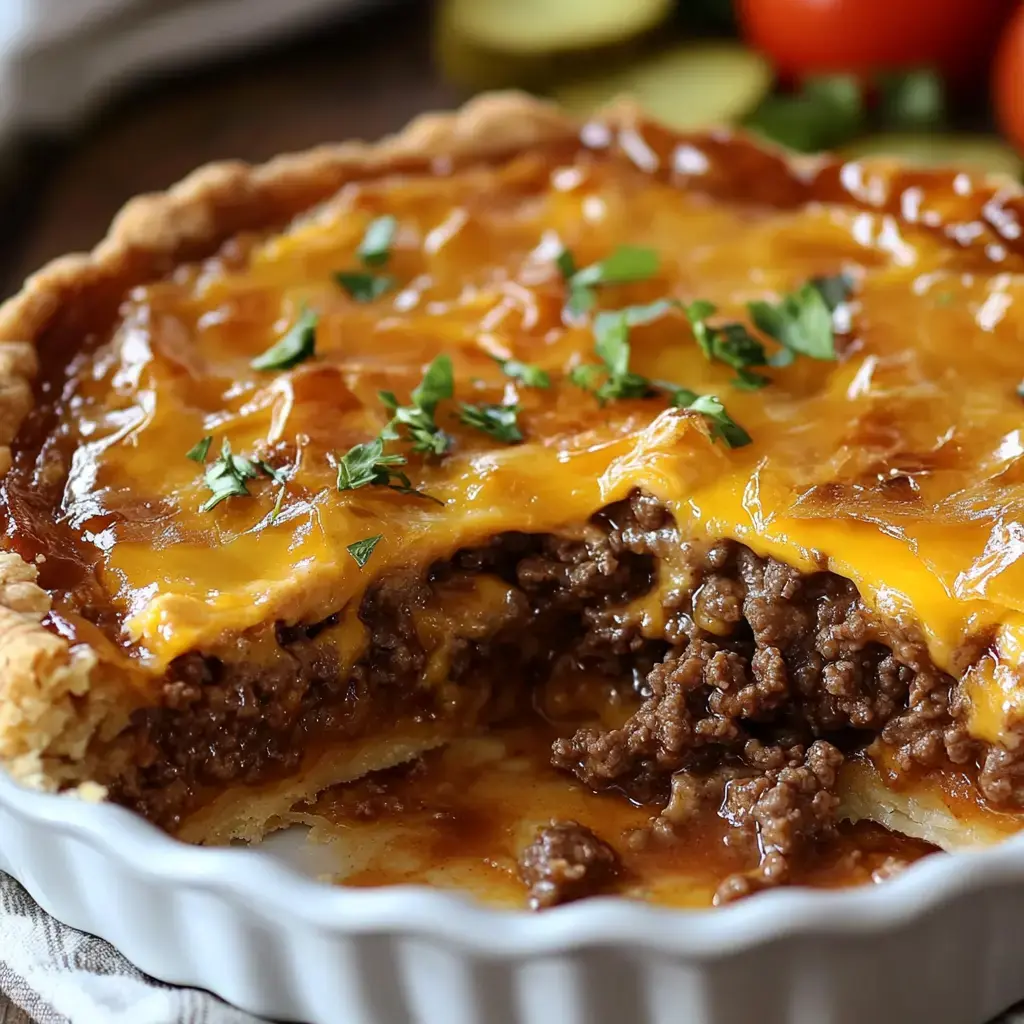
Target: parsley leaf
(365,465)
(375,248)
(526,373)
(730,343)
(626,264)
(418,418)
(637,316)
(566,263)
(829,110)
(497,420)
(801,322)
(581,300)
(297,345)
(611,343)
(723,427)
(228,477)
(913,100)
(362,549)
(279,476)
(835,290)
(364,287)
(198,451)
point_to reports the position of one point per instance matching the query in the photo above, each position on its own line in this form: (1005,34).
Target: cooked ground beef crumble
(757,683)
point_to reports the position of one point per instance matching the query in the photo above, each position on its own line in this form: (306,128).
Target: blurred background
(103,99)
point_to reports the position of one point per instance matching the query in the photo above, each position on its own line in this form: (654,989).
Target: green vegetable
(364,287)
(827,112)
(497,420)
(375,248)
(566,263)
(526,373)
(723,427)
(835,290)
(295,347)
(543,27)
(686,87)
(198,452)
(418,418)
(913,100)
(730,343)
(362,549)
(801,322)
(611,344)
(626,264)
(366,465)
(228,477)
(637,316)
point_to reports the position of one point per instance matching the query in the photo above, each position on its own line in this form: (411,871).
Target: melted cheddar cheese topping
(898,465)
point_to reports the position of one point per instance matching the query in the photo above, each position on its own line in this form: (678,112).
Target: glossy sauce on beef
(461,817)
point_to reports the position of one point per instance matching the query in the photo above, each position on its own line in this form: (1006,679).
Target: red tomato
(1008,81)
(809,37)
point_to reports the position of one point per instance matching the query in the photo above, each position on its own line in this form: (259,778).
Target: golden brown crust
(43,733)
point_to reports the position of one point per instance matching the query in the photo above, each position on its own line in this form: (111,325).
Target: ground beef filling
(755,684)
(564,862)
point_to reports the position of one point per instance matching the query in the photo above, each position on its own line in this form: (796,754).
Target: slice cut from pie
(716,454)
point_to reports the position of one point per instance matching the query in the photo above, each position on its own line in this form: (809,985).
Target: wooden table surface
(357,80)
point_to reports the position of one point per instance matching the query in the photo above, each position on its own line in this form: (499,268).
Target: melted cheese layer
(898,466)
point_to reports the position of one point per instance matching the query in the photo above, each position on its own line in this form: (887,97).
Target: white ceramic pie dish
(941,943)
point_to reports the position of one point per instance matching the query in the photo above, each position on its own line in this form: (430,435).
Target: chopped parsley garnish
(366,465)
(801,322)
(279,476)
(362,286)
(626,264)
(374,251)
(297,345)
(566,263)
(199,451)
(723,427)
(497,420)
(228,477)
(418,418)
(362,549)
(835,290)
(637,316)
(526,373)
(375,248)
(611,344)
(611,334)
(731,344)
